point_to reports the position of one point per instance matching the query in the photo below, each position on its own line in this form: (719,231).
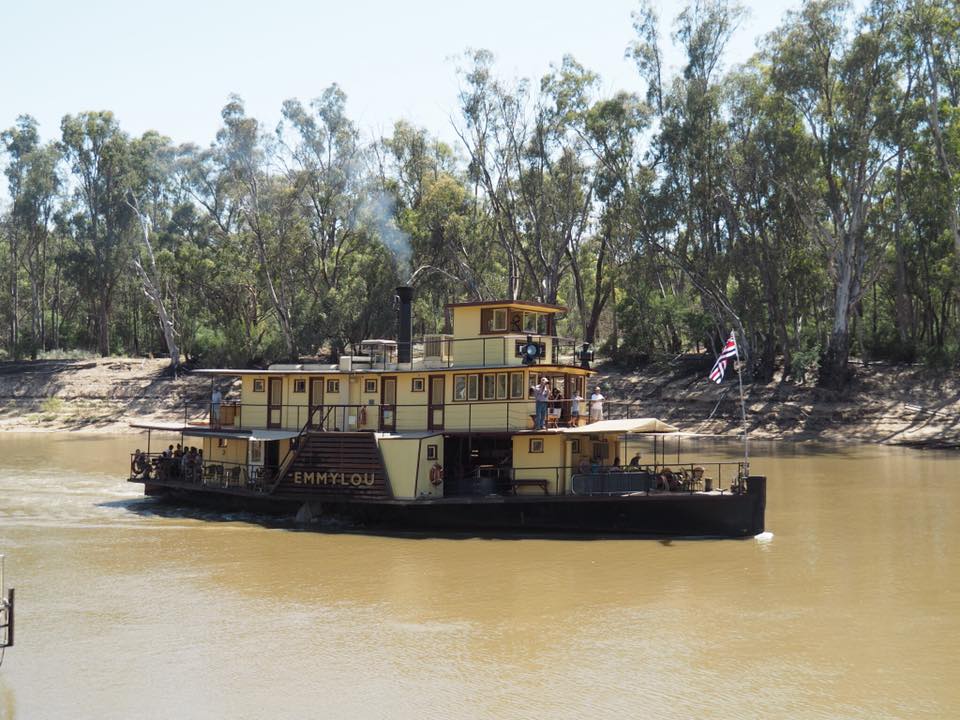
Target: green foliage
(807,199)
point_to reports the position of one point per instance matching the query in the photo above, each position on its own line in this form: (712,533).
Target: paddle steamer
(439,435)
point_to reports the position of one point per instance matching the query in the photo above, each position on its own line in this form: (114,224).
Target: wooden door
(388,404)
(435,403)
(275,402)
(315,403)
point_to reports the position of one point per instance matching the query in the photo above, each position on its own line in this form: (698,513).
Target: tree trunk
(103,320)
(151,288)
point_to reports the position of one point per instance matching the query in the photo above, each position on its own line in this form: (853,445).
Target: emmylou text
(333,478)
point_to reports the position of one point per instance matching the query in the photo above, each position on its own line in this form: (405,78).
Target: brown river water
(126,609)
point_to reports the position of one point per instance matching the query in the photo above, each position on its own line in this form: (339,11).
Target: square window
(333,386)
(431,452)
(416,385)
(370,386)
(259,385)
(575,447)
(221,442)
(498,321)
(536,445)
(473,387)
(299,386)
(459,388)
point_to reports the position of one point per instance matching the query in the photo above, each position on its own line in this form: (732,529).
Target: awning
(268,435)
(630,425)
(262,435)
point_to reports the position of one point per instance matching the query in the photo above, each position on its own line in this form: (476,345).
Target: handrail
(292,452)
(196,415)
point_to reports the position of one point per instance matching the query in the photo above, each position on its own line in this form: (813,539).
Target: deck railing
(197,471)
(725,477)
(504,415)
(444,351)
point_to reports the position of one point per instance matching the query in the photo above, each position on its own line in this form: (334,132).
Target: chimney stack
(404,339)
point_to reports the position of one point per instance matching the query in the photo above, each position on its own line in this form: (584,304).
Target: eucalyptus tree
(267,206)
(98,153)
(612,128)
(434,208)
(151,197)
(349,224)
(34,184)
(841,84)
(935,24)
(689,154)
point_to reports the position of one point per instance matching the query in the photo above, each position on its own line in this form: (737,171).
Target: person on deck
(635,461)
(541,394)
(596,406)
(215,399)
(575,402)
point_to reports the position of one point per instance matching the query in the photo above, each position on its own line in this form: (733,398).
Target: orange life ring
(436,474)
(362,416)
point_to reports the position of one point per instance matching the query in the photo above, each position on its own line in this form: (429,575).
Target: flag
(720,366)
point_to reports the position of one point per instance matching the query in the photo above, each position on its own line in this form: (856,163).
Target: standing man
(541,394)
(596,406)
(215,400)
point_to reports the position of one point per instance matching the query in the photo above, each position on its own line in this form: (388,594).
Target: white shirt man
(596,406)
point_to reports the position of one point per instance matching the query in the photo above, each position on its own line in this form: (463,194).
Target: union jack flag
(720,366)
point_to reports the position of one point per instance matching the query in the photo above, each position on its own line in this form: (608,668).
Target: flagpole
(743,409)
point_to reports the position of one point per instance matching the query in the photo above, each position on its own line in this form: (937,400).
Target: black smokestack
(405,295)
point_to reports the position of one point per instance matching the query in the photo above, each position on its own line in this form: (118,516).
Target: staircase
(341,464)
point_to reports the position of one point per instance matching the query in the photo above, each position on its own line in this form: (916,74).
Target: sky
(170,66)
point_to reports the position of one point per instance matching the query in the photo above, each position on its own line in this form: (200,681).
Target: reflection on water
(127,608)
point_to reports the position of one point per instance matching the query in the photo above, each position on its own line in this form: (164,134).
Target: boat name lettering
(333,478)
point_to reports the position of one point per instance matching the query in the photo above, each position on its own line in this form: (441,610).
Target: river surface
(126,609)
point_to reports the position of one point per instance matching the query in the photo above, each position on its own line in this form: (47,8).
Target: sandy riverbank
(884,404)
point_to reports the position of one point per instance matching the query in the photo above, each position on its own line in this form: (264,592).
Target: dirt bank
(101,395)
(886,404)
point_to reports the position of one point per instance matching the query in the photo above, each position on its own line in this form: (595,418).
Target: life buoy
(362,416)
(436,474)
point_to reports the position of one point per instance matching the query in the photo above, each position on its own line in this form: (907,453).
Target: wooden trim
(517,304)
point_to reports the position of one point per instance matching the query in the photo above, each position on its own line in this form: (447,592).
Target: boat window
(473,387)
(459,388)
(370,386)
(601,450)
(299,386)
(489,387)
(333,386)
(501,386)
(516,385)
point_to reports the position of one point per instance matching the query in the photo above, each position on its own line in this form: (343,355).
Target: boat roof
(522,304)
(629,425)
(335,370)
(260,434)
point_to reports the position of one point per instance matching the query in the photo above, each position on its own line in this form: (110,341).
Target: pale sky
(170,65)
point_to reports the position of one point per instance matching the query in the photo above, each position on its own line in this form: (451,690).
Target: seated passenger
(584,466)
(616,465)
(635,461)
(666,480)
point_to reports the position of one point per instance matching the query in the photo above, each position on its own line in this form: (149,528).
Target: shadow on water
(154,508)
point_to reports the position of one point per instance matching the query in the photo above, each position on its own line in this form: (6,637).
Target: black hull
(654,514)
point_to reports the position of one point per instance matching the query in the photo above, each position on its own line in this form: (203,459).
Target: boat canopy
(260,434)
(629,425)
